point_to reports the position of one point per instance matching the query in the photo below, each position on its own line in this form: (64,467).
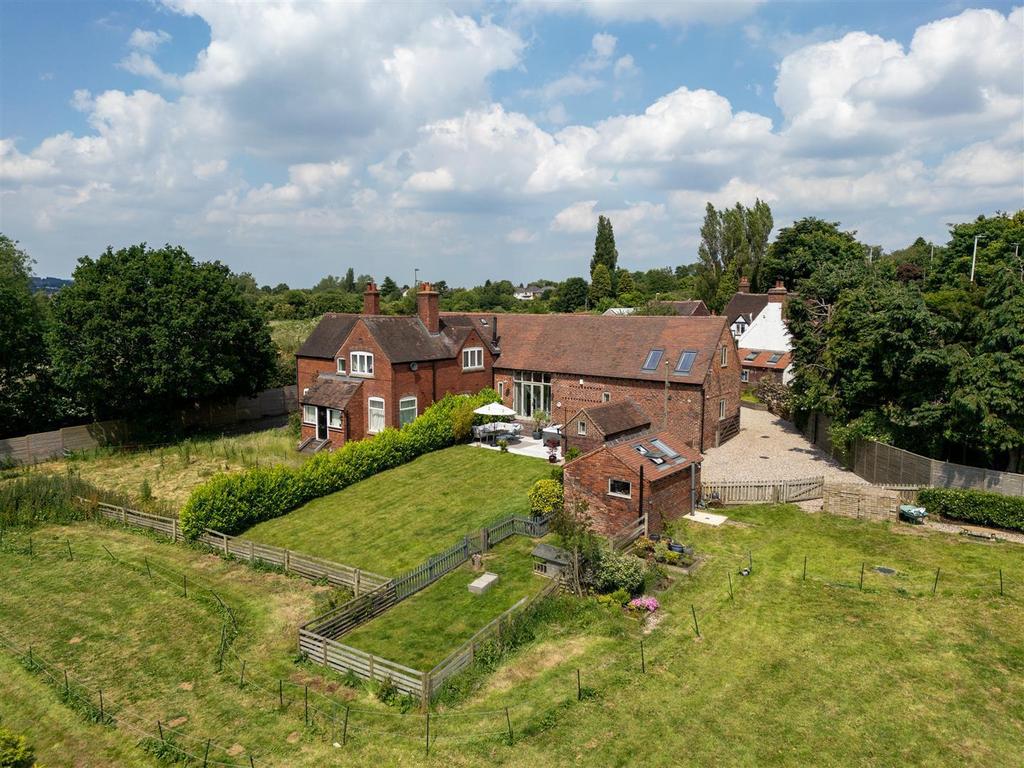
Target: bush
(15,751)
(572,453)
(620,596)
(978,507)
(230,503)
(545,497)
(614,571)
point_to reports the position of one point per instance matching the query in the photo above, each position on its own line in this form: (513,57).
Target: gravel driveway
(768,448)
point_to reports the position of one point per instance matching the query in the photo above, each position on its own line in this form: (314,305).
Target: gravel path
(769,448)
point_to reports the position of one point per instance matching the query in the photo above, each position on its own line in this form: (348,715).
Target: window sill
(362,375)
(618,495)
(474,368)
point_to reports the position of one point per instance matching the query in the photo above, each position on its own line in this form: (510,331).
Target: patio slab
(706,518)
(523,446)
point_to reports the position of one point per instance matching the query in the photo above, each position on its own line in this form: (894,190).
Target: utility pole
(974,258)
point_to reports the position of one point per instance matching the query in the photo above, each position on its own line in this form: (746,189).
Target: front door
(321,423)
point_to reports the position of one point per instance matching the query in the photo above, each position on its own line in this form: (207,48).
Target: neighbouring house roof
(767,331)
(656,461)
(328,336)
(330,391)
(692,307)
(551,553)
(745,305)
(613,418)
(599,345)
(761,358)
(619,311)
(403,338)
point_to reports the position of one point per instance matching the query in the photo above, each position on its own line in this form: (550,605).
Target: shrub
(545,497)
(620,596)
(230,503)
(776,396)
(980,507)
(572,453)
(15,751)
(614,571)
(558,475)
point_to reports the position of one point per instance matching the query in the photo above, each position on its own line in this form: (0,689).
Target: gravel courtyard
(768,448)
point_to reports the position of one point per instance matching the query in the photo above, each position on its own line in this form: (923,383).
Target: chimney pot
(778,293)
(744,285)
(428,307)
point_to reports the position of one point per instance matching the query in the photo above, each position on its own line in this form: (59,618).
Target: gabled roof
(746,305)
(614,418)
(403,338)
(692,307)
(328,336)
(767,331)
(551,553)
(330,391)
(654,459)
(600,345)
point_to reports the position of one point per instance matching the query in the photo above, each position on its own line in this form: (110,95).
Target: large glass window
(531,392)
(406,411)
(376,405)
(472,358)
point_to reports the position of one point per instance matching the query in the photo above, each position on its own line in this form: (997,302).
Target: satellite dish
(414,366)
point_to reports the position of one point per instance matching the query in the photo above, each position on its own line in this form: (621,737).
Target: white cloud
(582,216)
(678,13)
(147,39)
(439,180)
(521,236)
(625,66)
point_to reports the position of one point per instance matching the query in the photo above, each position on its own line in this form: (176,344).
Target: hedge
(980,507)
(230,503)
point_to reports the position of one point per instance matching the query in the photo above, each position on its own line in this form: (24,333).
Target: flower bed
(664,550)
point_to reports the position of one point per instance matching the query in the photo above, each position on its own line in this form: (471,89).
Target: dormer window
(362,363)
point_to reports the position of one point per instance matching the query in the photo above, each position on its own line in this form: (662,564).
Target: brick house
(592,426)
(656,474)
(682,372)
(757,323)
(358,374)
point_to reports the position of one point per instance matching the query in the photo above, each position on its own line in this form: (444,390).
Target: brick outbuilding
(592,426)
(656,474)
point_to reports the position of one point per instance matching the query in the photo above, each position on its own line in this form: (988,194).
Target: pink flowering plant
(644,604)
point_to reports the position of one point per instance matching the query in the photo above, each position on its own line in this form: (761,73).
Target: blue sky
(481,140)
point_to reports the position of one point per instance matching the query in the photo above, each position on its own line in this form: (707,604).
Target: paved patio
(524,445)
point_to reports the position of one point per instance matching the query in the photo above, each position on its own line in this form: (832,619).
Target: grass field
(171,472)
(288,336)
(791,672)
(395,520)
(422,630)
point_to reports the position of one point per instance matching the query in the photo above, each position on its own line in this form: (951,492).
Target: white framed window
(341,365)
(309,414)
(581,427)
(376,408)
(606,397)
(406,411)
(472,358)
(721,409)
(724,355)
(361,363)
(621,488)
(744,375)
(334,418)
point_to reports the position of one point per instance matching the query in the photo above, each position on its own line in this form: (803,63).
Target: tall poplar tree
(604,247)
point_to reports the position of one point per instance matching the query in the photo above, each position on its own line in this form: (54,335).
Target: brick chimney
(744,285)
(778,293)
(428,308)
(371,300)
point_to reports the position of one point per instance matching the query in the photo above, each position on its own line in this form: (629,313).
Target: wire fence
(336,721)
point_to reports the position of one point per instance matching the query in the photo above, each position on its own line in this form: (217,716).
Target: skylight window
(776,356)
(669,453)
(685,363)
(750,356)
(653,359)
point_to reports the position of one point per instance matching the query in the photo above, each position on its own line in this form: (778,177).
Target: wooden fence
(464,655)
(346,659)
(884,464)
(42,446)
(871,502)
(763,492)
(630,534)
(306,566)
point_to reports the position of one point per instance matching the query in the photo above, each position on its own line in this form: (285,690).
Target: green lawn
(424,629)
(395,520)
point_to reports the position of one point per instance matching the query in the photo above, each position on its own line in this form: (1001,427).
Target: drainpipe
(433,381)
(665,422)
(693,489)
(642,497)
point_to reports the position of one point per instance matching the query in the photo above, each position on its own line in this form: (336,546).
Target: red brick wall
(722,383)
(586,479)
(756,374)
(670,499)
(382,384)
(311,367)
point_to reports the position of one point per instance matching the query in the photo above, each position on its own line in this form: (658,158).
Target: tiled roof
(403,338)
(601,345)
(761,359)
(693,307)
(749,305)
(330,391)
(625,450)
(613,418)
(328,336)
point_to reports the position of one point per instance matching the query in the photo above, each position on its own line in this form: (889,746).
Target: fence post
(356,578)
(174,530)
(224,536)
(425,686)
(370,665)
(124,516)
(287,560)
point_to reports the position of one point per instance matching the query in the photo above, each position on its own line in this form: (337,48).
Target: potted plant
(540,420)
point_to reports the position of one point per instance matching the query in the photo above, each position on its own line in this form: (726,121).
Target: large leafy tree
(733,243)
(22,351)
(600,283)
(604,247)
(801,249)
(144,331)
(571,295)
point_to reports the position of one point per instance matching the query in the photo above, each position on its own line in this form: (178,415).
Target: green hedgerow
(980,507)
(230,503)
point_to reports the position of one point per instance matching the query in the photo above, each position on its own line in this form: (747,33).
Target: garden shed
(550,561)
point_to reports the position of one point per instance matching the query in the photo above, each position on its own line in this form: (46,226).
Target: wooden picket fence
(346,659)
(306,566)
(764,492)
